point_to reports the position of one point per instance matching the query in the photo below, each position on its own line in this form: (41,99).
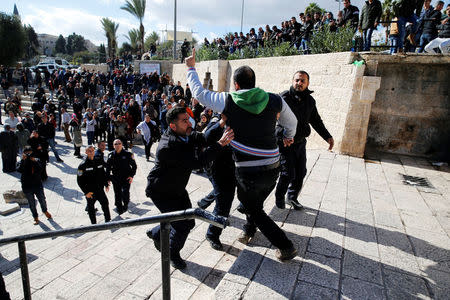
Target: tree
(313,8)
(137,9)
(133,37)
(151,39)
(12,39)
(60,45)
(125,48)
(31,42)
(102,53)
(75,43)
(110,28)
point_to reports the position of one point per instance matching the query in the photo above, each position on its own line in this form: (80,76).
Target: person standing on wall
(293,158)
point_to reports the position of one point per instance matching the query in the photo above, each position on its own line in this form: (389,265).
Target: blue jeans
(305,46)
(402,26)
(51,143)
(424,40)
(367,39)
(39,192)
(394,44)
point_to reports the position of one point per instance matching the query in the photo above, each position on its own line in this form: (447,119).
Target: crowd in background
(411,23)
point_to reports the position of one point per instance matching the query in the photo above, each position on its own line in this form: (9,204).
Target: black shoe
(204,203)
(286,254)
(295,204)
(214,242)
(177,262)
(156,242)
(241,209)
(280,203)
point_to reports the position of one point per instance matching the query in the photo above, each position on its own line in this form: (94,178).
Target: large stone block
(18,197)
(6,209)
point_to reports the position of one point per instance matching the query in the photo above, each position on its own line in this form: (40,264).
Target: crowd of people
(417,26)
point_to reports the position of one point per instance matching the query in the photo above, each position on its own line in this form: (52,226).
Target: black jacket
(175,160)
(46,131)
(122,165)
(304,107)
(444,30)
(430,22)
(30,173)
(370,14)
(91,175)
(350,17)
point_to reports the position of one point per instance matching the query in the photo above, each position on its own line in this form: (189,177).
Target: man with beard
(293,158)
(175,159)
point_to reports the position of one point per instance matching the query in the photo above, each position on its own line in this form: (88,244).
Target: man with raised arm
(252,114)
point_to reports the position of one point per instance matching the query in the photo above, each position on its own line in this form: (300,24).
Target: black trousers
(254,184)
(121,194)
(224,183)
(148,146)
(179,230)
(293,171)
(9,161)
(99,196)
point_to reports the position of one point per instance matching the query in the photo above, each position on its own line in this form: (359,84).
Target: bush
(325,41)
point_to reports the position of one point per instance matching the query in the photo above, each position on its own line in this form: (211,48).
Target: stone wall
(335,81)
(411,112)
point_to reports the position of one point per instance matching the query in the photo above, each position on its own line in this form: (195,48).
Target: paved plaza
(364,234)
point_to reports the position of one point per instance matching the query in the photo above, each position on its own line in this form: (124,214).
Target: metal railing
(163,219)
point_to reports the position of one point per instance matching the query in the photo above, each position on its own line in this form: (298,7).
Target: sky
(205,18)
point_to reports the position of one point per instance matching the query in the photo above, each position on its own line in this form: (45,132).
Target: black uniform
(175,159)
(293,158)
(92,178)
(122,165)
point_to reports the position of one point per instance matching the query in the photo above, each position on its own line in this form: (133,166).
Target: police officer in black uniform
(293,158)
(92,179)
(123,167)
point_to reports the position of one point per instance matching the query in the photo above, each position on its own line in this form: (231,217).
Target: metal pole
(175,30)
(24,271)
(165,259)
(339,5)
(242,14)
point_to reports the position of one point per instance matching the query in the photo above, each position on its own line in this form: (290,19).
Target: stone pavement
(363,234)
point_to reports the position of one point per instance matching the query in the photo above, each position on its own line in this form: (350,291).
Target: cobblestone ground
(363,234)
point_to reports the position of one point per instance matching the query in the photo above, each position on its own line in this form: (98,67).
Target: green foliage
(126,47)
(60,45)
(75,43)
(31,42)
(110,28)
(12,39)
(325,41)
(151,39)
(85,57)
(271,49)
(133,37)
(137,9)
(102,53)
(313,8)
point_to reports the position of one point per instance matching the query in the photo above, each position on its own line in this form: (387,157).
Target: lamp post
(242,14)
(175,30)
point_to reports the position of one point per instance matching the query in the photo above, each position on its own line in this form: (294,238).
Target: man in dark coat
(293,158)
(8,147)
(176,157)
(350,15)
(368,21)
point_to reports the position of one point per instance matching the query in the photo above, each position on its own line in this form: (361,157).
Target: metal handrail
(164,219)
